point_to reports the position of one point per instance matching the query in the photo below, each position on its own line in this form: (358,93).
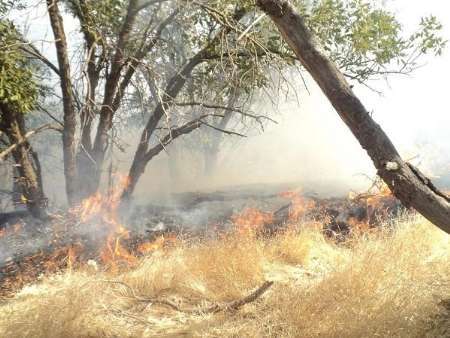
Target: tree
(363,39)
(406,182)
(182,66)
(119,37)
(18,94)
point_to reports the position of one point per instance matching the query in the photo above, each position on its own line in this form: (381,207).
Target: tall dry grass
(380,285)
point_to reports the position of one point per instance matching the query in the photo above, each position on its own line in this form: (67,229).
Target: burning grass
(380,284)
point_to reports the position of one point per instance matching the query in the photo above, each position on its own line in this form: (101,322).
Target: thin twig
(229,132)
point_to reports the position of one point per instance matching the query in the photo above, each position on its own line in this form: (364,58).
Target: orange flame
(250,220)
(73,253)
(299,205)
(104,208)
(157,244)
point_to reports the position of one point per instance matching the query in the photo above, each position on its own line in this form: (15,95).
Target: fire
(157,244)
(91,206)
(102,208)
(299,205)
(114,252)
(250,220)
(71,257)
(100,205)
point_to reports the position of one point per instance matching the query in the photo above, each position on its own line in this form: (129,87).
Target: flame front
(103,209)
(299,205)
(157,244)
(251,220)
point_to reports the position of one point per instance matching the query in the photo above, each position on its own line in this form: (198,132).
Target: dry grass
(386,285)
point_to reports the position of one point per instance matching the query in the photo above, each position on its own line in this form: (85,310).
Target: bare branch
(33,51)
(136,60)
(50,115)
(25,138)
(229,132)
(233,305)
(227,108)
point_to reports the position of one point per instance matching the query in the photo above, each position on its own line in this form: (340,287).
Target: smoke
(309,148)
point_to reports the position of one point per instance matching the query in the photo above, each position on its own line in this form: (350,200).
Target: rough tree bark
(112,84)
(68,135)
(92,154)
(406,182)
(29,178)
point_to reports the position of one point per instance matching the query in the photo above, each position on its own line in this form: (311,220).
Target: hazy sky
(414,110)
(416,107)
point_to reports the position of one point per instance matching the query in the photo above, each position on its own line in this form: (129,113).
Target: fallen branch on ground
(233,305)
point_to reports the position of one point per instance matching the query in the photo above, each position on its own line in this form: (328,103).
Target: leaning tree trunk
(406,182)
(29,179)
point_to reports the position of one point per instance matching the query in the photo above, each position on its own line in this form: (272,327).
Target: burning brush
(89,233)
(93,233)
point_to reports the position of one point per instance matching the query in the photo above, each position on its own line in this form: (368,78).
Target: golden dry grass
(382,285)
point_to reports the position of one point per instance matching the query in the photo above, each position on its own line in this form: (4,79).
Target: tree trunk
(69,145)
(406,182)
(139,163)
(92,155)
(174,87)
(29,179)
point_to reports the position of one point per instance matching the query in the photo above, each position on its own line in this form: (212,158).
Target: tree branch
(33,51)
(25,138)
(233,305)
(229,132)
(227,108)
(139,56)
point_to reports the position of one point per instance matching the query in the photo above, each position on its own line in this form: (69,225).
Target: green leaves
(17,86)
(366,40)
(427,38)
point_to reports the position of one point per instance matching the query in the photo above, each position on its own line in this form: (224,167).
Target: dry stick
(233,305)
(236,304)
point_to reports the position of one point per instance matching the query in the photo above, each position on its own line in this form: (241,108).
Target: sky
(312,143)
(415,108)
